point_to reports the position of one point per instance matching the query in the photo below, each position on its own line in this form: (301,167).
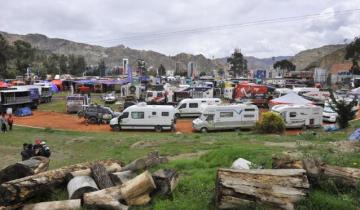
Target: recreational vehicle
(12,98)
(76,102)
(34,93)
(143,116)
(191,107)
(226,117)
(300,116)
(45,92)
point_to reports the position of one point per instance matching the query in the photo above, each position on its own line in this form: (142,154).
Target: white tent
(290,98)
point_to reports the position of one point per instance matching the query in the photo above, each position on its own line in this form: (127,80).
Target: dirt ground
(56,120)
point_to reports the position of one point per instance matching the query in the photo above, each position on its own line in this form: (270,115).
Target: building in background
(191,70)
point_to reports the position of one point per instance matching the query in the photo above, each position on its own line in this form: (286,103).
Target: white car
(329,115)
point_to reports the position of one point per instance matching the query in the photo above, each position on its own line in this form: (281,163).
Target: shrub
(271,123)
(344,110)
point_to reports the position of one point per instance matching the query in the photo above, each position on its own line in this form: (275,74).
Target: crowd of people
(6,122)
(39,148)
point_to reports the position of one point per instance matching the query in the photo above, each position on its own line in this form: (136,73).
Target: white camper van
(190,107)
(143,116)
(300,116)
(226,117)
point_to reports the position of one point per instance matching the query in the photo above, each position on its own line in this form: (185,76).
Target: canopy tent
(58,84)
(3,84)
(355,91)
(290,98)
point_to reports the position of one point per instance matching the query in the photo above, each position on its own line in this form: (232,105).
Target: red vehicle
(257,94)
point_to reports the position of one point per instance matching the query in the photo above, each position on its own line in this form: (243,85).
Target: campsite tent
(355,136)
(290,98)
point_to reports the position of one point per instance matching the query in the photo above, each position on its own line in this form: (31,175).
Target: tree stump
(19,190)
(279,188)
(121,177)
(80,185)
(24,168)
(109,198)
(166,180)
(55,205)
(101,176)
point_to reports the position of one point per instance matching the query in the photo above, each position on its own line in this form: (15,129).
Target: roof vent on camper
(142,104)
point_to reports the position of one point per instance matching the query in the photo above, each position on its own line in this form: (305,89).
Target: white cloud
(107,22)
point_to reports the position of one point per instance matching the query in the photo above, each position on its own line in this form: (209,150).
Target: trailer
(14,99)
(226,117)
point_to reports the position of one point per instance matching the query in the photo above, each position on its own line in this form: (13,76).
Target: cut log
(166,180)
(24,168)
(109,198)
(110,168)
(149,161)
(140,200)
(279,188)
(80,185)
(19,190)
(121,177)
(55,205)
(341,175)
(286,163)
(101,176)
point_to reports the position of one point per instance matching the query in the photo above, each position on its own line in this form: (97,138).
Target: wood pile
(106,184)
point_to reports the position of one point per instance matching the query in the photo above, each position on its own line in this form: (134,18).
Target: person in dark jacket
(27,151)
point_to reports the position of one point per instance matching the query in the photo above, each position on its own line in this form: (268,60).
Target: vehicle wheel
(237,129)
(203,130)
(116,128)
(173,128)
(177,115)
(158,128)
(93,120)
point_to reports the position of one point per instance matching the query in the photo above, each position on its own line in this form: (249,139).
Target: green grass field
(195,156)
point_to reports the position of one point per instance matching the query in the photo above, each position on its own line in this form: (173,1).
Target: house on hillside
(340,73)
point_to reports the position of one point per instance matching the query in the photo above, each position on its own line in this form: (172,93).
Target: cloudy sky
(192,26)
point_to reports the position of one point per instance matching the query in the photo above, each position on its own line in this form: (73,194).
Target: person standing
(3,122)
(10,121)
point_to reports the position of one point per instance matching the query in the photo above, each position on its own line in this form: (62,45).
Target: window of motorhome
(183,106)
(164,114)
(159,94)
(193,105)
(153,113)
(209,117)
(249,115)
(125,115)
(149,94)
(137,115)
(249,110)
(226,114)
(292,114)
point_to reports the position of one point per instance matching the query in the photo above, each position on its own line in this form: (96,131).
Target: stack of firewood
(281,187)
(104,184)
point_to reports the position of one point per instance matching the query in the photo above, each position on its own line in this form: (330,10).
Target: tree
(63,64)
(24,55)
(284,65)
(102,67)
(345,110)
(51,64)
(221,72)
(353,52)
(4,48)
(81,65)
(238,64)
(202,74)
(161,70)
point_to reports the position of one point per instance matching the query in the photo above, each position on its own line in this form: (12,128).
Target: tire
(177,115)
(203,130)
(116,128)
(158,128)
(92,120)
(237,129)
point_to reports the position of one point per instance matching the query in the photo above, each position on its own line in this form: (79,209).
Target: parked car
(191,107)
(109,98)
(300,116)
(329,115)
(97,114)
(226,117)
(143,116)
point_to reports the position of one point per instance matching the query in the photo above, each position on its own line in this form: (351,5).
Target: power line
(157,35)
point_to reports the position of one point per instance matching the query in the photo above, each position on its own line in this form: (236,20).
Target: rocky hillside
(319,57)
(324,56)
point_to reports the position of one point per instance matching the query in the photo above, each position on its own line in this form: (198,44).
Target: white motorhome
(300,116)
(143,116)
(45,92)
(191,107)
(226,117)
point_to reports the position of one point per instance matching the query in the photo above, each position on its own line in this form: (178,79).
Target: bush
(271,123)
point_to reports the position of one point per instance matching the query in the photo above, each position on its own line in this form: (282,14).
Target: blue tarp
(22,112)
(355,136)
